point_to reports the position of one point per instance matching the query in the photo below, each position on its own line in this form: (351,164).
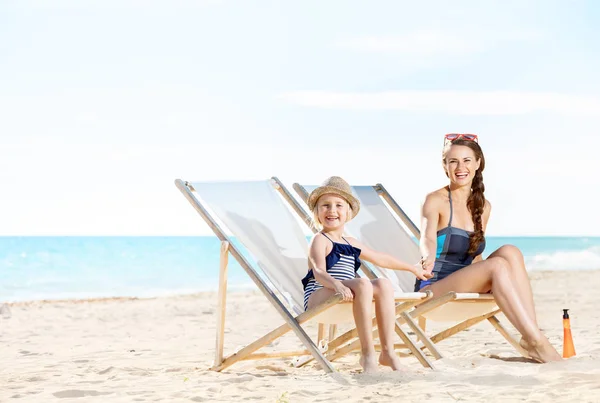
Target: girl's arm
(430,218)
(387,261)
(317,254)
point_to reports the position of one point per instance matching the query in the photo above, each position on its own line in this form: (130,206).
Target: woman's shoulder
(487,208)
(437,197)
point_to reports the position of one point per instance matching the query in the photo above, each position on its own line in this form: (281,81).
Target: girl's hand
(421,273)
(344,291)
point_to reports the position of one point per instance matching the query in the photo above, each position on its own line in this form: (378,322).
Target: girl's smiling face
(332,211)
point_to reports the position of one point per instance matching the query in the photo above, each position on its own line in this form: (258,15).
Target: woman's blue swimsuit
(341,263)
(451,254)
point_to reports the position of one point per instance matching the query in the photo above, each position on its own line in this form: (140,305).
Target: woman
(453,222)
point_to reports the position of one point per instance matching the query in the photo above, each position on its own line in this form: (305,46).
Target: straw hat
(337,186)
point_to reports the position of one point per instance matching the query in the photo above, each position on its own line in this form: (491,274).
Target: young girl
(333,262)
(453,222)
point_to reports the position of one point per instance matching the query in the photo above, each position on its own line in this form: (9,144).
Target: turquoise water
(83,267)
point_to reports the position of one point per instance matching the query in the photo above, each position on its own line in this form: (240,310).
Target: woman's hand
(344,291)
(421,272)
(427,264)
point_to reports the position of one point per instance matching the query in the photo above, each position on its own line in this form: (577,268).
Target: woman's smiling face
(461,164)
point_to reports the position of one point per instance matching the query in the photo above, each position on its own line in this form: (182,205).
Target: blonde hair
(316,224)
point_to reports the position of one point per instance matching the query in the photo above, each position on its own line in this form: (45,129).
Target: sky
(103,104)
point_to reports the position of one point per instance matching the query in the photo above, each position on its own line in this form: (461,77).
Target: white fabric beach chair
(378,226)
(262,222)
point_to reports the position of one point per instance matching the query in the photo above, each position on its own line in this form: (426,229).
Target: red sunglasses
(456,136)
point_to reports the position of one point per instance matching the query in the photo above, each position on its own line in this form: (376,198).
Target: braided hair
(476,201)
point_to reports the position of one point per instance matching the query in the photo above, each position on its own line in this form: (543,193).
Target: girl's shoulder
(353,241)
(317,238)
(353,245)
(320,241)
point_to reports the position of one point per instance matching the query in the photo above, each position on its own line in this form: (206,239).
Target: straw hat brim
(321,190)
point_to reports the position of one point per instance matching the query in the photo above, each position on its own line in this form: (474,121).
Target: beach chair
(263,224)
(379,226)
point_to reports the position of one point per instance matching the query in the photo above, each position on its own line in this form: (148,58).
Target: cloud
(451,102)
(426,43)
(421,43)
(94,5)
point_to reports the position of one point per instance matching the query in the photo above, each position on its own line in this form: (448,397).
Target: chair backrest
(377,227)
(260,220)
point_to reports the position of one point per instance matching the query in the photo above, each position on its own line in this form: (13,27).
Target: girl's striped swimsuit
(341,263)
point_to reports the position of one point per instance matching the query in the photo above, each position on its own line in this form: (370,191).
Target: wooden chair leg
(223,262)
(320,333)
(496,323)
(422,336)
(332,331)
(461,326)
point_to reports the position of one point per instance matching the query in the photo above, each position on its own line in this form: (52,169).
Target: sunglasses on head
(456,136)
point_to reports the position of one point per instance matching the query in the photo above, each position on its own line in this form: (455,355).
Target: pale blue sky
(104,103)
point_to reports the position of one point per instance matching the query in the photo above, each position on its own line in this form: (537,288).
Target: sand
(136,350)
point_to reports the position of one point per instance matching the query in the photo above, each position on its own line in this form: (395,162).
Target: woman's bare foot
(368,362)
(525,346)
(390,360)
(540,350)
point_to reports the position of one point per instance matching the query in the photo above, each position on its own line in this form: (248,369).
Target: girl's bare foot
(368,362)
(390,360)
(540,350)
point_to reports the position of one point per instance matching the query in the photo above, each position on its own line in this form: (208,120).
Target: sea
(81,267)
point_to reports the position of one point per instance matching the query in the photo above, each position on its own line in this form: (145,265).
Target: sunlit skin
(332,212)
(503,273)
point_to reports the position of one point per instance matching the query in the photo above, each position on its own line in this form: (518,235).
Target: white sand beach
(136,350)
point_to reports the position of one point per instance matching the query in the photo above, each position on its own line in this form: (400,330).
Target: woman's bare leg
(383,294)
(518,272)
(494,274)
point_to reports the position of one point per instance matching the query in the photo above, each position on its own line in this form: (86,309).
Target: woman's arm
(430,218)
(317,255)
(487,210)
(486,216)
(386,261)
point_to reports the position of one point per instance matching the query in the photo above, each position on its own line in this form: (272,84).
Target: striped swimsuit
(341,263)
(451,254)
